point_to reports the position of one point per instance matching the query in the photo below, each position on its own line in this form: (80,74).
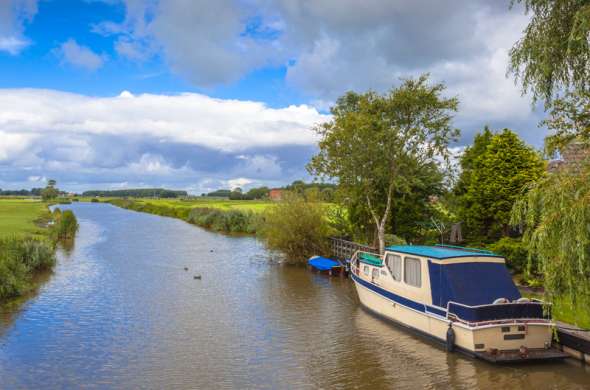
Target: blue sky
(200,95)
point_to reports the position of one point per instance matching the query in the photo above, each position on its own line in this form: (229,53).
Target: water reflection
(121,311)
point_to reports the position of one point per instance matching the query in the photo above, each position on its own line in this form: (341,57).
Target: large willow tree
(555,215)
(554,53)
(373,143)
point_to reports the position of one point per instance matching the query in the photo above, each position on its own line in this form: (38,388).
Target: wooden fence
(343,249)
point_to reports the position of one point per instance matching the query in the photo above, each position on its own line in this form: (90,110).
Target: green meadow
(19,216)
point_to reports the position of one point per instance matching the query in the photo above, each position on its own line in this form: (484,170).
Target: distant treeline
(326,191)
(31,192)
(138,193)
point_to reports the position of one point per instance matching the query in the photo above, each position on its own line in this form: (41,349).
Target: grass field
(221,204)
(18,216)
(214,203)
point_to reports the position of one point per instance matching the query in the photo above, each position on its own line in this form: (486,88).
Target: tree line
(137,193)
(326,191)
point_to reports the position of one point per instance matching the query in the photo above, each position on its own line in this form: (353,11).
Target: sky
(201,95)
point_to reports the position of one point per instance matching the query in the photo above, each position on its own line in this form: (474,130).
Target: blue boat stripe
(399,299)
(440,312)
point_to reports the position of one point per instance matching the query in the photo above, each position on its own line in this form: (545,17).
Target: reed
(20,258)
(220,220)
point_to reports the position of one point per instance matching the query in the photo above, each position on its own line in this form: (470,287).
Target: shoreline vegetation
(219,216)
(29,235)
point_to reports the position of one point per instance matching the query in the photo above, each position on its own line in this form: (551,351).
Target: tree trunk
(380,224)
(381,236)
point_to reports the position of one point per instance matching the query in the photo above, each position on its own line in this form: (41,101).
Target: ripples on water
(120,311)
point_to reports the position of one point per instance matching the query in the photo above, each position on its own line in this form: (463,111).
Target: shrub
(227,221)
(515,252)
(94,200)
(19,258)
(297,227)
(65,225)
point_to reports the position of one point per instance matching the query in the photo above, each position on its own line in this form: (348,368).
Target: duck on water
(462,297)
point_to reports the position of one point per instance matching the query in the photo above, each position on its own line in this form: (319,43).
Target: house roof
(441,251)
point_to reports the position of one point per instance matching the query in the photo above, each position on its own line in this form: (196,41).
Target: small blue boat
(323,264)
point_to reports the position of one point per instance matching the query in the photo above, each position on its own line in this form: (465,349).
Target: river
(120,311)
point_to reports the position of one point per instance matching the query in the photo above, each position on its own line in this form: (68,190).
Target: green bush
(515,252)
(227,221)
(65,225)
(297,227)
(94,200)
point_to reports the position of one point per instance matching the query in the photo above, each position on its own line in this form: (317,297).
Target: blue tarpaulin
(471,284)
(322,263)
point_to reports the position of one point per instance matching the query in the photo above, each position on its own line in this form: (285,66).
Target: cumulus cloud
(179,140)
(227,125)
(79,56)
(331,46)
(14,14)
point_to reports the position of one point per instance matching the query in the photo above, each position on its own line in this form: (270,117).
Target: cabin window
(375,273)
(394,264)
(366,270)
(412,272)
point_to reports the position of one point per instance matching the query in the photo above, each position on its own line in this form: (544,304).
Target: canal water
(120,311)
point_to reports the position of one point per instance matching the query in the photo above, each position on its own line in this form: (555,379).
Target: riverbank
(29,234)
(219,215)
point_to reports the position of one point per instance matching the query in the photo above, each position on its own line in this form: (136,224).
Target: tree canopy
(555,216)
(554,53)
(495,170)
(569,120)
(373,141)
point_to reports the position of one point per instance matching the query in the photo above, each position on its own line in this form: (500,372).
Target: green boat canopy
(370,259)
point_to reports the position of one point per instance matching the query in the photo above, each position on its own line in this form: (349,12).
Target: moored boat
(323,264)
(462,297)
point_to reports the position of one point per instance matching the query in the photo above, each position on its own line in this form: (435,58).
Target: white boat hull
(467,338)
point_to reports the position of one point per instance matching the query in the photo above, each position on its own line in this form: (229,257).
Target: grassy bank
(28,241)
(219,215)
(22,217)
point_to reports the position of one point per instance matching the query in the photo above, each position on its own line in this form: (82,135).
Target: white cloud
(13,45)
(13,16)
(80,56)
(240,182)
(186,141)
(13,144)
(226,125)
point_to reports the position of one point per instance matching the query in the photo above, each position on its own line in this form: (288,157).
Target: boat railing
(532,310)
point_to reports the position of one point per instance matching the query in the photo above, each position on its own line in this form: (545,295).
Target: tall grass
(65,225)
(220,220)
(20,258)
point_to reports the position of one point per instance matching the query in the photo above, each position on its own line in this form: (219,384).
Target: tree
(554,53)
(494,180)
(297,227)
(555,215)
(569,120)
(471,153)
(49,192)
(373,138)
